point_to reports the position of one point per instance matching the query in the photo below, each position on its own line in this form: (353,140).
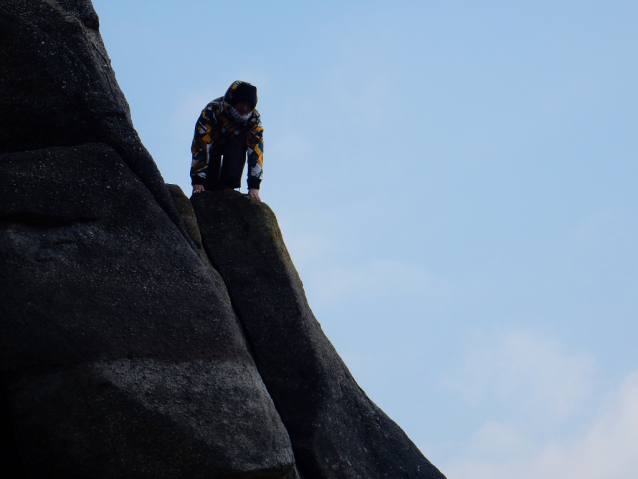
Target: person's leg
(212,172)
(233,163)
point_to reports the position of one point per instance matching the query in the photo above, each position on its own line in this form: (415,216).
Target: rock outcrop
(336,431)
(123,350)
(121,353)
(58,87)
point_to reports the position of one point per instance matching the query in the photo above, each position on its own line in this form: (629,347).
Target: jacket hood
(241,91)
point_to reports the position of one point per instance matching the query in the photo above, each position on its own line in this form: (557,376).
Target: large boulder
(120,351)
(337,432)
(58,87)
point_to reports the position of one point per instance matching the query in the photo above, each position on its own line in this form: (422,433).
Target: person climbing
(229,127)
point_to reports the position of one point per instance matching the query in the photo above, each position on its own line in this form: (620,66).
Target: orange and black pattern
(216,125)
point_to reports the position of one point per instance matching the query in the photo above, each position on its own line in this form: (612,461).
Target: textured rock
(58,88)
(149,418)
(336,431)
(185,209)
(121,355)
(120,352)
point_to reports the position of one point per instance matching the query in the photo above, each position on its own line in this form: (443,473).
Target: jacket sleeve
(201,145)
(255,151)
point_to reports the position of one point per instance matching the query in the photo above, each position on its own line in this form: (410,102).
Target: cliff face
(131,346)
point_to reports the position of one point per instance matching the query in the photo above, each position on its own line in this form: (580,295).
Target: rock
(120,354)
(336,431)
(9,451)
(185,209)
(58,88)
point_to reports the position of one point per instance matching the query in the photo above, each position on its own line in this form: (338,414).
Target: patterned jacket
(216,125)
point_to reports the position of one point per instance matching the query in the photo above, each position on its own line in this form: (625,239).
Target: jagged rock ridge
(123,351)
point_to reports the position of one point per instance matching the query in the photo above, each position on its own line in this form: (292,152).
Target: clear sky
(456,182)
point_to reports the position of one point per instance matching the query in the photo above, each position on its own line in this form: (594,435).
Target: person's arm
(199,147)
(255,151)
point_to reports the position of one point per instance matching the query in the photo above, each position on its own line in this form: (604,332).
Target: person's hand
(254,192)
(198,188)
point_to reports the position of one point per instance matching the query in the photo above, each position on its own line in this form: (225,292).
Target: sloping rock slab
(336,431)
(121,355)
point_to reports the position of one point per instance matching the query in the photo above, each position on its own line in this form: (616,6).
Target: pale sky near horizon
(456,183)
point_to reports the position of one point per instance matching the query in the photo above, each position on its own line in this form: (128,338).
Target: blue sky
(456,183)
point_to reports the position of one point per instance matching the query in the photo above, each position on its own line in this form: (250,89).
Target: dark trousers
(226,164)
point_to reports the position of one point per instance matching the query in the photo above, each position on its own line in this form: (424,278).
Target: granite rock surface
(121,355)
(58,87)
(337,432)
(123,350)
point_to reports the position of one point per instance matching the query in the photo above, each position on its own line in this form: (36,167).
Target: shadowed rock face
(336,431)
(185,209)
(58,87)
(121,354)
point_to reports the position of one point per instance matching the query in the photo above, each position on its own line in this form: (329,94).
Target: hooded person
(227,134)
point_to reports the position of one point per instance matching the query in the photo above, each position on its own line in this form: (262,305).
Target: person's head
(244,98)
(244,107)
